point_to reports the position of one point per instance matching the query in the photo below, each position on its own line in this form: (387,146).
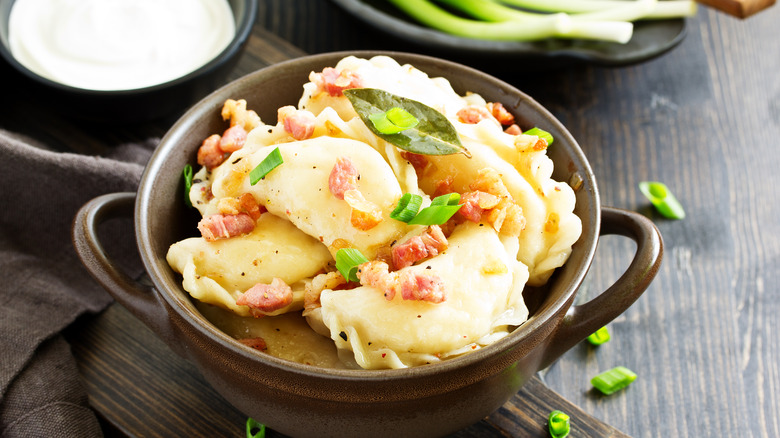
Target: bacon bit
(229,206)
(513,129)
(236,111)
(334,82)
(256,343)
(498,111)
(504,216)
(222,226)
(209,153)
(365,214)
(475,203)
(473,114)
(233,139)
(342,177)
(411,285)
(540,145)
(263,298)
(443,187)
(419,162)
(429,244)
(298,123)
(250,206)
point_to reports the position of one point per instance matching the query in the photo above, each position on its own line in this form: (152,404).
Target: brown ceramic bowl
(302,400)
(141,104)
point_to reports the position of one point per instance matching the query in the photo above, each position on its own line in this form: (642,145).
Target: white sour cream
(118,44)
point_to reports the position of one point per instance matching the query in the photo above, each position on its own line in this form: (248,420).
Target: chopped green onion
(407,207)
(448,199)
(269,163)
(558,424)
(187,184)
(599,337)
(440,211)
(613,380)
(393,121)
(541,134)
(663,199)
(253,425)
(347,262)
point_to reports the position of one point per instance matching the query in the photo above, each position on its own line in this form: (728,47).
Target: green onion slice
(187,184)
(393,121)
(407,207)
(254,425)
(599,337)
(440,211)
(347,262)
(663,199)
(541,133)
(558,424)
(613,380)
(269,163)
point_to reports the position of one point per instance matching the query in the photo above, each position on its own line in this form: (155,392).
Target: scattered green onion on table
(613,380)
(558,424)
(533,20)
(599,337)
(663,199)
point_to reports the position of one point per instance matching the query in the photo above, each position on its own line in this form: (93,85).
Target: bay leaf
(433,135)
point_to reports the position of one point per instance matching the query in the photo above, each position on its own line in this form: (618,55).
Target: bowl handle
(582,320)
(140,299)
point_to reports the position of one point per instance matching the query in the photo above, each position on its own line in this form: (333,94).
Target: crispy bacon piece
(498,111)
(334,82)
(475,203)
(505,216)
(342,177)
(209,153)
(473,114)
(429,244)
(513,129)
(233,139)
(256,343)
(418,161)
(249,205)
(411,285)
(264,298)
(223,226)
(236,111)
(298,123)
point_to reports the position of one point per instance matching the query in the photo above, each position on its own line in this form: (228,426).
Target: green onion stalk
(606,20)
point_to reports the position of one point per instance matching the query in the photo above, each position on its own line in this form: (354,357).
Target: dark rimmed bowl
(138,105)
(302,400)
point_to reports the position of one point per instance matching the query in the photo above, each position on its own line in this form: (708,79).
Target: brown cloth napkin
(44,287)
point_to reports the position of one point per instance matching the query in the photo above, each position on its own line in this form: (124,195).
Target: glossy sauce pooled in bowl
(428,292)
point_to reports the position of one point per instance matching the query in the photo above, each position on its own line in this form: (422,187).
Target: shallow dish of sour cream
(307,253)
(119,44)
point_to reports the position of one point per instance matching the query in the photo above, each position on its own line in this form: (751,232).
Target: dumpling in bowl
(482,283)
(219,272)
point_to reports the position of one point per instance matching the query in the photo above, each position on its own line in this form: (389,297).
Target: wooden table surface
(703,118)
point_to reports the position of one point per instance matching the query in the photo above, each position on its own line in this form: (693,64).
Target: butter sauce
(118,44)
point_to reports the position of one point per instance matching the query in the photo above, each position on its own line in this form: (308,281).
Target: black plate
(651,38)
